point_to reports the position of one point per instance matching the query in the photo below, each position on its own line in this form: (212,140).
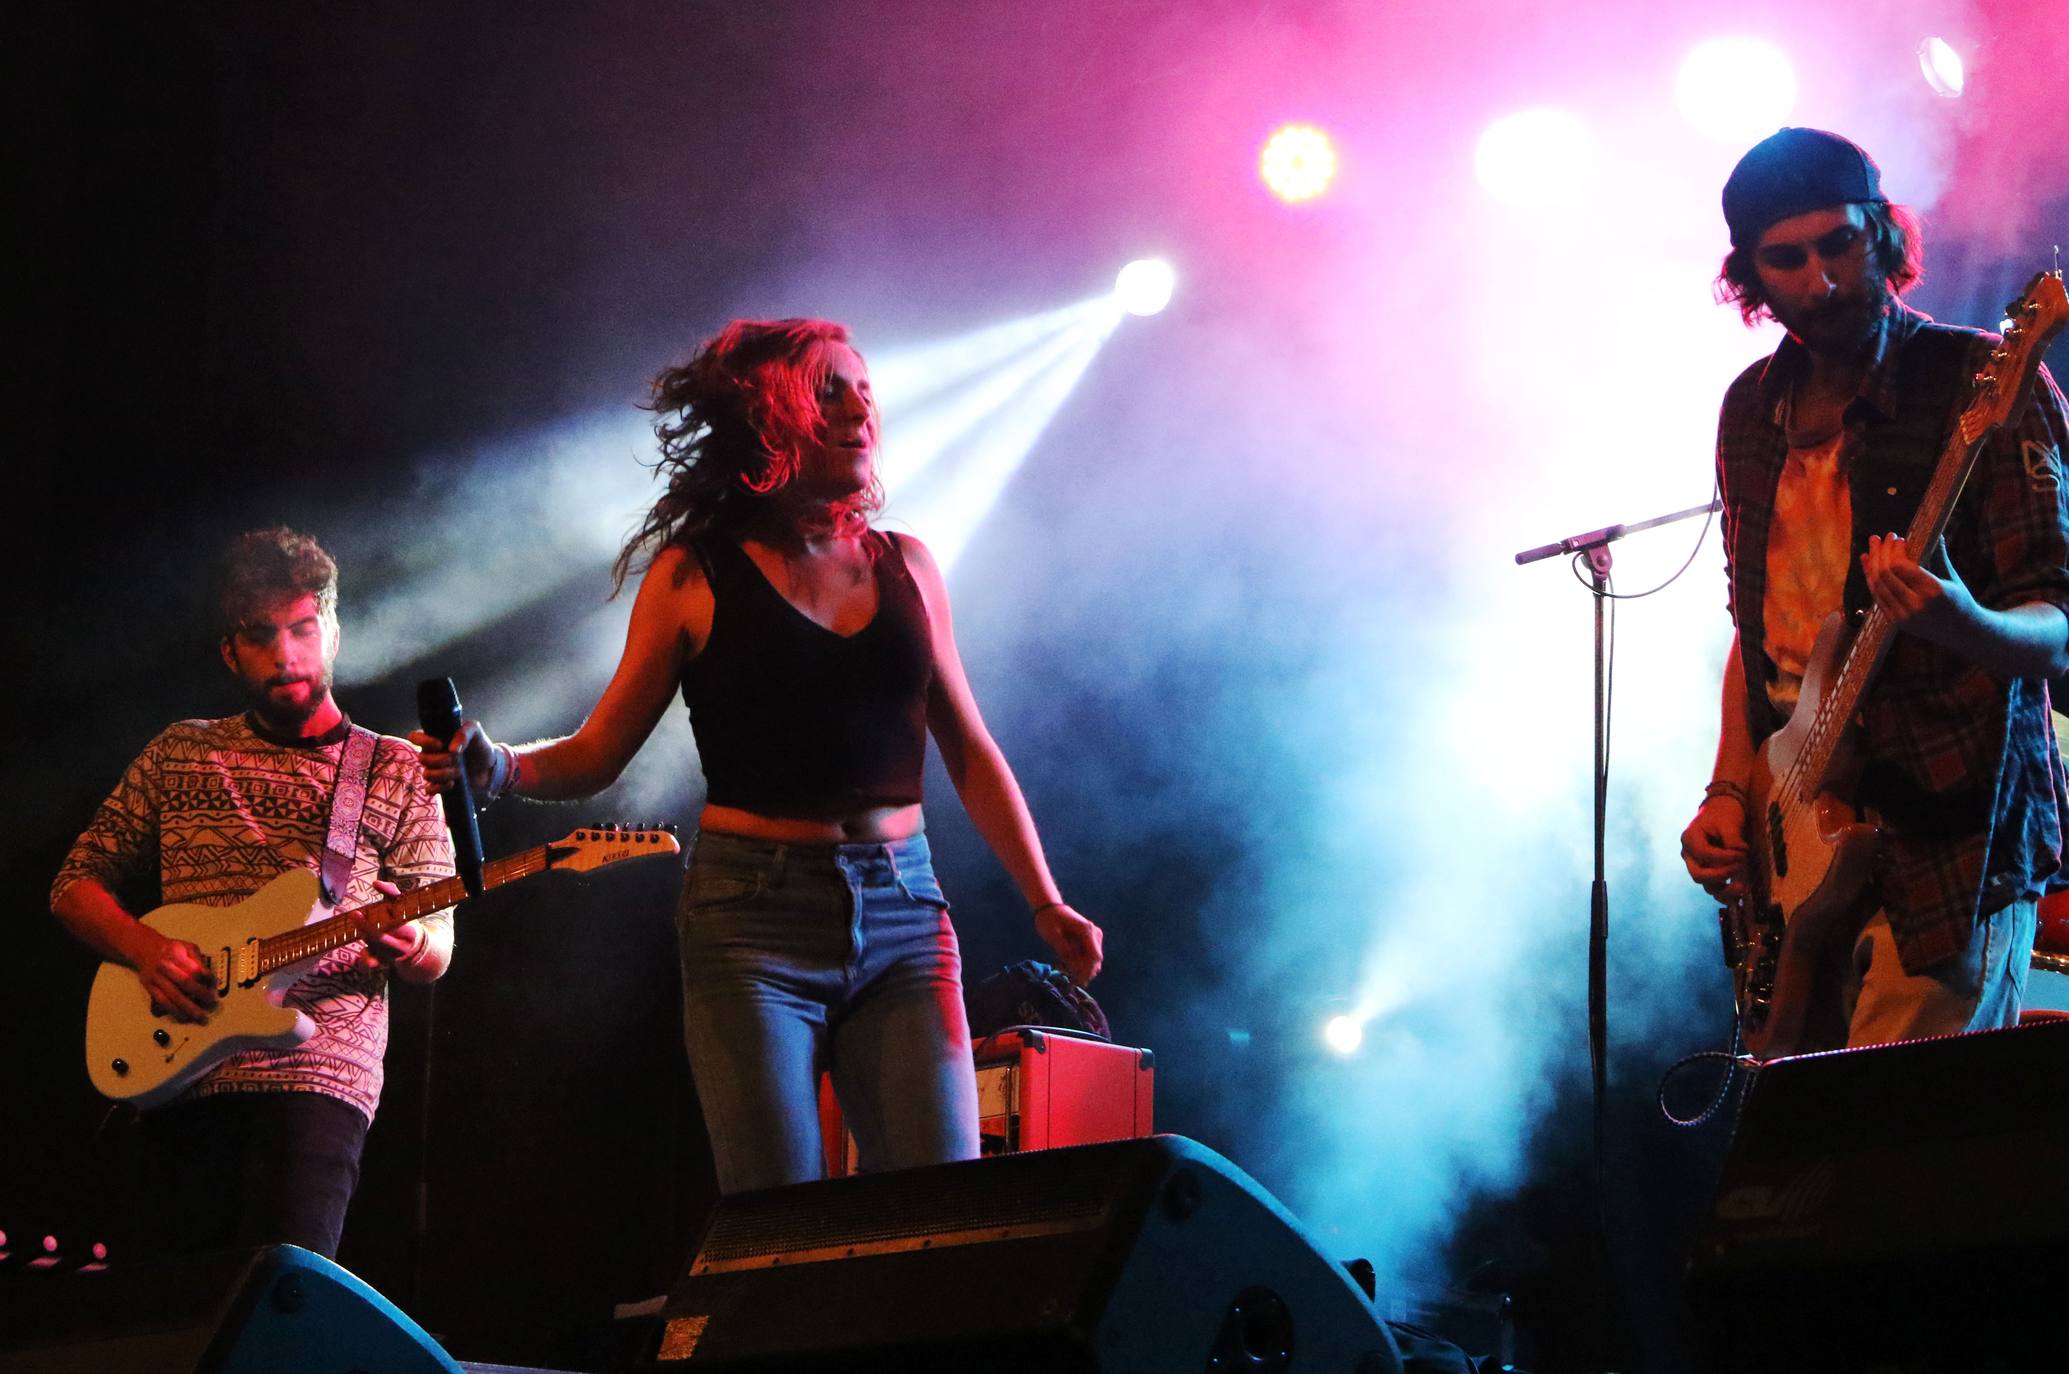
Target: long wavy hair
(735,423)
(1894,237)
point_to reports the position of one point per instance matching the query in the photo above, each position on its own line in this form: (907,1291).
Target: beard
(289,715)
(1844,324)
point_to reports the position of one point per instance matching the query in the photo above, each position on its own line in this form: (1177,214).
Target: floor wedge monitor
(1129,1257)
(1896,1205)
(266,1311)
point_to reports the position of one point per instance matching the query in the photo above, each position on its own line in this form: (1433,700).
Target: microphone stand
(1594,546)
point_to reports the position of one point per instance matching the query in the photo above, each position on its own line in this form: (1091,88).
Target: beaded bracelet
(1725,787)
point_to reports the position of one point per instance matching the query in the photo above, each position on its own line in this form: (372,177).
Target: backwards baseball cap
(1791,172)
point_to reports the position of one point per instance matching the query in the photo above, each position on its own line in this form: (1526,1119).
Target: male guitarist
(265,1147)
(1823,451)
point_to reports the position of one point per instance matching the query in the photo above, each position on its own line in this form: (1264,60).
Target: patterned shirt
(1961,765)
(214,812)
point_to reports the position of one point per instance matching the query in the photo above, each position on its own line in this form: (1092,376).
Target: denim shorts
(798,958)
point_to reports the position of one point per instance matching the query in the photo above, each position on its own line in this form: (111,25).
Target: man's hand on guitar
(178,980)
(384,949)
(1936,608)
(1714,845)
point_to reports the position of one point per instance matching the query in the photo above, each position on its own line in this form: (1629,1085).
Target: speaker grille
(927,1208)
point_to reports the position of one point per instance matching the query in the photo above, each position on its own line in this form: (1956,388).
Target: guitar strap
(348,799)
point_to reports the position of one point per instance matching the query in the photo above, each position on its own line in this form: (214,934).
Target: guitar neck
(1869,647)
(320,937)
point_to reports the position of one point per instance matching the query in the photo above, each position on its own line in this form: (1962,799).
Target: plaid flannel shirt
(1962,766)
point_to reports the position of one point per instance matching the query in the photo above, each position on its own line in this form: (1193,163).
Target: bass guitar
(1810,850)
(257,949)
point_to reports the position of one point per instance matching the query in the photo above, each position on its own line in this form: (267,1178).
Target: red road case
(1036,1088)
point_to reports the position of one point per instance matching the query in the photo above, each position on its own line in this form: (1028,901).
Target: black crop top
(794,720)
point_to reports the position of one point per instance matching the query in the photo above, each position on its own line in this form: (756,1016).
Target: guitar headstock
(593,846)
(2006,381)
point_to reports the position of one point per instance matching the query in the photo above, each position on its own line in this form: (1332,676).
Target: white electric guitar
(258,948)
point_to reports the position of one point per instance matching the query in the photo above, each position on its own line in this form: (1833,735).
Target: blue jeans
(803,957)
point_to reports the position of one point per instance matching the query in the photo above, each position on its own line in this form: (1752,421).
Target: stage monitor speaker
(266,1311)
(1129,1257)
(1898,1203)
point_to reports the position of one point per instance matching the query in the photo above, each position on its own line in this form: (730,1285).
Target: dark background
(326,264)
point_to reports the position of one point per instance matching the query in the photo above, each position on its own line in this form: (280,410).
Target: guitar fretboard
(279,951)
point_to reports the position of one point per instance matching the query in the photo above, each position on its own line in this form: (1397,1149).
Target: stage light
(1736,89)
(1535,157)
(1343,1034)
(1942,67)
(1144,286)
(1298,162)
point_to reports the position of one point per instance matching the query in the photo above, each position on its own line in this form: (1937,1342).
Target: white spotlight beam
(555,504)
(967,485)
(915,436)
(904,378)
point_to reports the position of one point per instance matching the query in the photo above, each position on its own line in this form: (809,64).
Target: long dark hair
(734,424)
(1894,237)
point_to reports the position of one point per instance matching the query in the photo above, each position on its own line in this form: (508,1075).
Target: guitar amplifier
(1037,1088)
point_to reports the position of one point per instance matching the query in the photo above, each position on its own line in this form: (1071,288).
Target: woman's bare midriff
(874,825)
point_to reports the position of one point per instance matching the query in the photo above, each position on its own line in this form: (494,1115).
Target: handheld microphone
(438,712)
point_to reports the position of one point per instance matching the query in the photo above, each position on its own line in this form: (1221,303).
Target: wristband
(1725,787)
(502,773)
(1047,906)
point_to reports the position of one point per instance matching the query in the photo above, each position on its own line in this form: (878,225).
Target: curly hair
(1894,236)
(263,566)
(735,422)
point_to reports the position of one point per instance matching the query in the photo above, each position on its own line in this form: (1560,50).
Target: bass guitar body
(1789,933)
(136,1054)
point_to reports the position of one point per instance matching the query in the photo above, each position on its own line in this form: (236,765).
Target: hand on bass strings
(1714,845)
(1933,607)
(1080,945)
(472,743)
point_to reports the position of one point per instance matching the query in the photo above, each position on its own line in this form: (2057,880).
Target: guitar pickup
(243,964)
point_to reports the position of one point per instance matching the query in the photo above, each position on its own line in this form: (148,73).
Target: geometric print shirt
(214,812)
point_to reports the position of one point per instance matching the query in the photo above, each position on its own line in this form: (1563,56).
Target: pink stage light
(1298,163)
(1942,67)
(1536,157)
(1736,89)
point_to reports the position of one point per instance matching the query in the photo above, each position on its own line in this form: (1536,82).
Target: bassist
(1823,451)
(264,1148)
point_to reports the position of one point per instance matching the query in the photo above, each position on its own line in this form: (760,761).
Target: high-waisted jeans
(803,957)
